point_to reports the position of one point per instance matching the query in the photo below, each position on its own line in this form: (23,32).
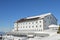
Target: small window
(23,23)
(23,26)
(26,26)
(29,26)
(26,22)
(29,23)
(45,21)
(48,17)
(40,25)
(36,22)
(40,21)
(36,26)
(19,39)
(32,26)
(32,22)
(45,25)
(39,30)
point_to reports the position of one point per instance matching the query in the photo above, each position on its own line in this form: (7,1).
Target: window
(47,17)
(36,26)
(45,21)
(19,39)
(40,25)
(29,26)
(36,22)
(29,23)
(23,23)
(32,26)
(45,25)
(49,21)
(41,29)
(50,17)
(26,22)
(23,26)
(32,22)
(26,26)
(40,21)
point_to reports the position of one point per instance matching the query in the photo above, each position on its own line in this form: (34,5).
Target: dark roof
(25,19)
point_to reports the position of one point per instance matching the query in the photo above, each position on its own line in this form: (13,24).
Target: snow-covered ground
(53,37)
(45,35)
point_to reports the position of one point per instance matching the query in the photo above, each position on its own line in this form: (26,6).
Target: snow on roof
(33,17)
(53,25)
(41,16)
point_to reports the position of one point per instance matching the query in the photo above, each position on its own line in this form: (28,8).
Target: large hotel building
(35,23)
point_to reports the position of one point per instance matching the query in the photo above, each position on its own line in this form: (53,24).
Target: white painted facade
(39,24)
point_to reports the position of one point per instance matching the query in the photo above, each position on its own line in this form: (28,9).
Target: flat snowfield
(53,37)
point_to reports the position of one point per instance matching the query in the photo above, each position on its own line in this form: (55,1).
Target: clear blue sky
(12,10)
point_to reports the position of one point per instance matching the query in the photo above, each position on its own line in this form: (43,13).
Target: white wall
(31,25)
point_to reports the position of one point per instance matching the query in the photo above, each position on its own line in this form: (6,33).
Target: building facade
(35,23)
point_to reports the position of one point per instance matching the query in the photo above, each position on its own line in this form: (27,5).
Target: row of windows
(31,30)
(51,18)
(48,17)
(29,26)
(30,22)
(50,21)
(39,29)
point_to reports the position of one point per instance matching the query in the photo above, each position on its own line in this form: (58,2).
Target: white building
(35,26)
(54,27)
(35,23)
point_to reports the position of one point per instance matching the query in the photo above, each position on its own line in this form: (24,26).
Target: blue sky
(12,10)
